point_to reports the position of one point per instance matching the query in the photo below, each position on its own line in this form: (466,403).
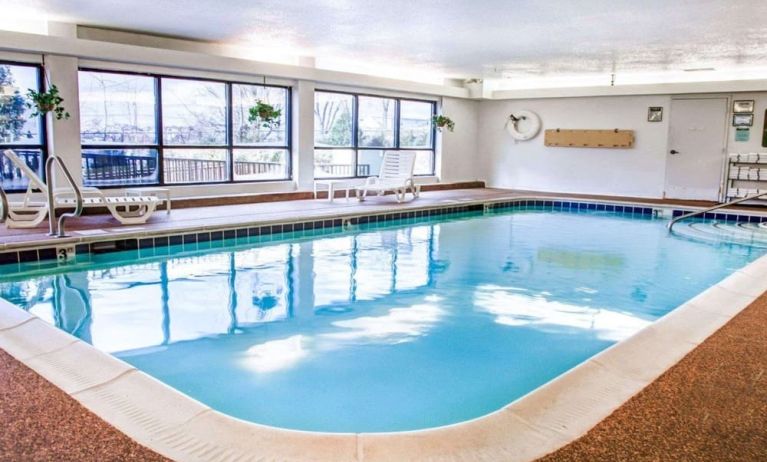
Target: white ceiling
(510,39)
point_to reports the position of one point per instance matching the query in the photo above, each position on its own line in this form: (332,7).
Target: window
(352,133)
(139,129)
(415,124)
(118,129)
(376,122)
(18,130)
(194,114)
(261,152)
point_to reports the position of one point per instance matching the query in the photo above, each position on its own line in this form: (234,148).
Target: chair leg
(140,216)
(26,220)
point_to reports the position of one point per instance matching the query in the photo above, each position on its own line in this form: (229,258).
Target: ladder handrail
(3,205)
(716,207)
(60,231)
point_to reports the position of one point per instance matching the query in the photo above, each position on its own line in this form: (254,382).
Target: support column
(64,135)
(303,135)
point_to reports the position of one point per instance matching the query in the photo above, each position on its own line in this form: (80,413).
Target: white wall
(459,159)
(529,165)
(637,172)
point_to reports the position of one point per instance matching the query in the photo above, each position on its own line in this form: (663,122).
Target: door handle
(673,151)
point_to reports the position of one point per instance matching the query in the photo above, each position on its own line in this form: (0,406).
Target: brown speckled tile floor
(39,422)
(712,406)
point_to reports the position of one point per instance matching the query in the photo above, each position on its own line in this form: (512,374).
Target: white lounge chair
(128,210)
(396,175)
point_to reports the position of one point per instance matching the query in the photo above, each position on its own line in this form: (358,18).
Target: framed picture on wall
(654,114)
(764,131)
(743,106)
(742,120)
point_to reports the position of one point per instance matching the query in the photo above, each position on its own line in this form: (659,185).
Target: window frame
(397,122)
(43,124)
(229,146)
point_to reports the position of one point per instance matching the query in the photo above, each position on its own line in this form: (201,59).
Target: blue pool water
(397,327)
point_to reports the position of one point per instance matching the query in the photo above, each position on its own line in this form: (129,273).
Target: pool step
(715,231)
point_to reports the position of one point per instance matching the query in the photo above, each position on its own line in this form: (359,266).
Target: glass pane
(112,167)
(12,178)
(333,119)
(376,122)
(415,124)
(260,164)
(16,126)
(117,108)
(424,163)
(369,162)
(195,165)
(254,133)
(330,163)
(193,112)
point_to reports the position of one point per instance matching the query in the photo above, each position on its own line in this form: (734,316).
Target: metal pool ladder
(716,207)
(53,230)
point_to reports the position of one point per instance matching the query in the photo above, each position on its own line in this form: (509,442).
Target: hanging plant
(265,114)
(44,102)
(442,121)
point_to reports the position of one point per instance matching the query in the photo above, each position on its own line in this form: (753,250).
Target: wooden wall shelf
(614,139)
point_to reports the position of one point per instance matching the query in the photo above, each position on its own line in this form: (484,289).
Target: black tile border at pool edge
(619,208)
(146,246)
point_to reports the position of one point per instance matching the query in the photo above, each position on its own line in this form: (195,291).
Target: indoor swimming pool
(405,325)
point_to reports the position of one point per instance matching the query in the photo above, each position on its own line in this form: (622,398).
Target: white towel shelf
(747,175)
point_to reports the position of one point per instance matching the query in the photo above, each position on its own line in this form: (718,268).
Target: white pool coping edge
(180,428)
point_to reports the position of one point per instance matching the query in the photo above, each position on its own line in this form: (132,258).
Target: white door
(696,146)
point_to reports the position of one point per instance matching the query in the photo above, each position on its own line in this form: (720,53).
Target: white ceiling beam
(677,88)
(116,52)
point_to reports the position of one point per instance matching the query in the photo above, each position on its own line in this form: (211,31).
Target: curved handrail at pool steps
(538,423)
(674,221)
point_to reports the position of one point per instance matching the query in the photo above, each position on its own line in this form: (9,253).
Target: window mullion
(160,130)
(396,123)
(230,129)
(355,135)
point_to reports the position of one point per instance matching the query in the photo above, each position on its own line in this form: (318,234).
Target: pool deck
(711,405)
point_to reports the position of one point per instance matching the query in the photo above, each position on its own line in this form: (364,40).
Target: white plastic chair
(396,175)
(128,210)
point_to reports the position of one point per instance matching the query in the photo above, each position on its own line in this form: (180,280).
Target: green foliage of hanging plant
(44,102)
(442,121)
(265,114)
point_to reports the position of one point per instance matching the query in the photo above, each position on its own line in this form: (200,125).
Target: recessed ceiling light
(699,69)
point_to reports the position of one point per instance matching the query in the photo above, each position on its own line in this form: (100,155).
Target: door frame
(725,138)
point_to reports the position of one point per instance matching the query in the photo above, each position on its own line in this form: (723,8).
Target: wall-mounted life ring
(523,125)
